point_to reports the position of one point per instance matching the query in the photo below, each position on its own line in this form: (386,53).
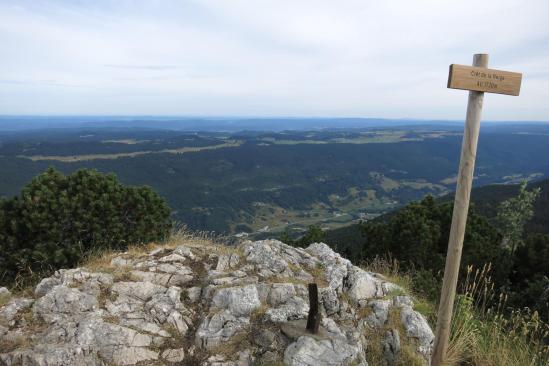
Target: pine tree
(57,219)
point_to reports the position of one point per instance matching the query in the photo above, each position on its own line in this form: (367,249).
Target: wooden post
(459,218)
(313,320)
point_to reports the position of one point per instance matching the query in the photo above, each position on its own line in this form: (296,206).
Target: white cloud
(314,58)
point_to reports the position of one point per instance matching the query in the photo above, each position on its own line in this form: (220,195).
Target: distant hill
(485,199)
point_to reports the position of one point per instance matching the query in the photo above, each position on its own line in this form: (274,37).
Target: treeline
(58,219)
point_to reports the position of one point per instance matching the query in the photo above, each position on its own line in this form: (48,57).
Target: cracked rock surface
(202,304)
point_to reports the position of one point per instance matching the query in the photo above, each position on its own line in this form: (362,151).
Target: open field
(77,158)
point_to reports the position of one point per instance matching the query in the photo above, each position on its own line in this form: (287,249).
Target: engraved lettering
(487,84)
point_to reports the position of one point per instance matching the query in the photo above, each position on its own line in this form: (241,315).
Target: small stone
(173,258)
(175,319)
(161,279)
(4,292)
(363,286)
(400,301)
(159,251)
(184,251)
(173,355)
(330,300)
(307,351)
(239,301)
(389,287)
(120,261)
(193,294)
(9,312)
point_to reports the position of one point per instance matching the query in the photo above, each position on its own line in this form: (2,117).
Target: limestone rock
(193,294)
(139,290)
(184,251)
(294,308)
(86,281)
(330,300)
(173,355)
(54,356)
(400,301)
(380,312)
(391,346)
(9,311)
(240,301)
(219,328)
(336,268)
(307,351)
(62,303)
(226,262)
(233,303)
(417,327)
(363,286)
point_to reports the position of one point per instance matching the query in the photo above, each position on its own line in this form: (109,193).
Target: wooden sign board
(484,80)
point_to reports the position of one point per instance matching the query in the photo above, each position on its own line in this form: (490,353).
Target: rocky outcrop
(212,305)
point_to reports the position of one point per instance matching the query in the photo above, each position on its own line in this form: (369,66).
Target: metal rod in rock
(313,320)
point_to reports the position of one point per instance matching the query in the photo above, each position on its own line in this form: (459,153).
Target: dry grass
(99,260)
(363,312)
(230,348)
(13,343)
(407,355)
(319,274)
(4,299)
(389,269)
(257,314)
(484,335)
(125,275)
(204,242)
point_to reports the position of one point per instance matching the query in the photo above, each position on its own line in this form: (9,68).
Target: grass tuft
(493,335)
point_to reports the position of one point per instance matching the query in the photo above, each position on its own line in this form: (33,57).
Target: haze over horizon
(267,59)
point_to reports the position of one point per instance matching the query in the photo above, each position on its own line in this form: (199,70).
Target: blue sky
(267,58)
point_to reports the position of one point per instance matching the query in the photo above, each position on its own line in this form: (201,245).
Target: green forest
(231,182)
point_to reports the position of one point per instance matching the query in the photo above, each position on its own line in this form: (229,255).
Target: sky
(345,58)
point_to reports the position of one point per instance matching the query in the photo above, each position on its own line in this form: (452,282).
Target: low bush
(58,218)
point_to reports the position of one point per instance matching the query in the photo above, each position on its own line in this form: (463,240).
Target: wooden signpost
(477,79)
